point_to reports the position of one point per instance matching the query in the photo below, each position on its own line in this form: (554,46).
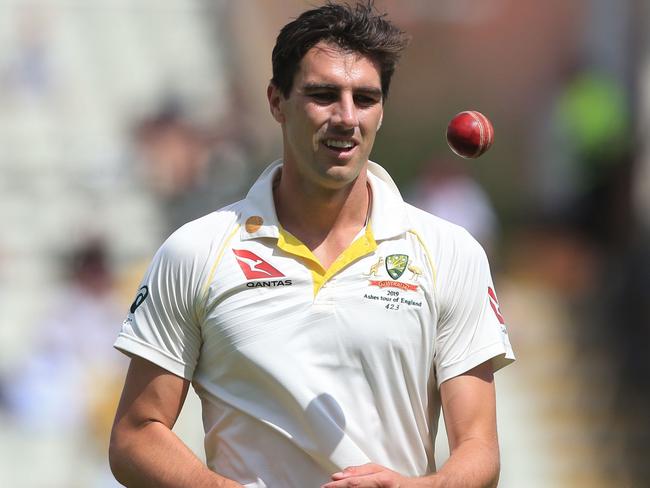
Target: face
(330,118)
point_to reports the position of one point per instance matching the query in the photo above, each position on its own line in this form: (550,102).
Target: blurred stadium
(121,119)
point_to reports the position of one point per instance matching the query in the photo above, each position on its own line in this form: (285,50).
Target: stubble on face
(331,117)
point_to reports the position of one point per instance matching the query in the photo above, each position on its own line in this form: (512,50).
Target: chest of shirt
(262,299)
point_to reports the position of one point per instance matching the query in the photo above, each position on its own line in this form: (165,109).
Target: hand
(369,476)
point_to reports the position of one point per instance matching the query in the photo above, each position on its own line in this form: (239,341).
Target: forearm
(473,464)
(152,455)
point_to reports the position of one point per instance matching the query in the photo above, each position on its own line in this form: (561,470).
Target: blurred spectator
(587,155)
(29,72)
(191,171)
(592,147)
(447,190)
(72,379)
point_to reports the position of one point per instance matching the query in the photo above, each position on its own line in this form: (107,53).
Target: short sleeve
(162,325)
(471,329)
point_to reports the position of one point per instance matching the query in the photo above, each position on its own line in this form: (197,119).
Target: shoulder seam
(432,265)
(217,261)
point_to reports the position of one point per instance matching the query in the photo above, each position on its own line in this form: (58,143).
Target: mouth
(343,148)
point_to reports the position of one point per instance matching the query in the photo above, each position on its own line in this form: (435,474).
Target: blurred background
(122,119)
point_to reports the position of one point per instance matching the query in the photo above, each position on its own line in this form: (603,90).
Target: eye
(323,98)
(365,100)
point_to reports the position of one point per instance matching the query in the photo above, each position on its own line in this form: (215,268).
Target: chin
(340,176)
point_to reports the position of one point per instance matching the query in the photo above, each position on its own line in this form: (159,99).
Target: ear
(275,96)
(381,119)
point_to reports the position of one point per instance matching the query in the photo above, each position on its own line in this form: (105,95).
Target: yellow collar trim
(363,246)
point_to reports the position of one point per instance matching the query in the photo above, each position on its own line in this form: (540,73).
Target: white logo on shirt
(252,265)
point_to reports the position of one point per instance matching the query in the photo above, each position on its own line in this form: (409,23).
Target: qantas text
(257,284)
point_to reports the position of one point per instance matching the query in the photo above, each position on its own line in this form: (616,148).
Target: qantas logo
(254,267)
(494,303)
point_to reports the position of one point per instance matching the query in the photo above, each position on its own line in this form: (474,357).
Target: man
(321,320)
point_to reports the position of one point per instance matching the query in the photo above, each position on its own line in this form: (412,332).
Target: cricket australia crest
(396,265)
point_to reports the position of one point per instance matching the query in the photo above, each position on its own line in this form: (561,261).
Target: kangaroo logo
(415,272)
(375,267)
(255,267)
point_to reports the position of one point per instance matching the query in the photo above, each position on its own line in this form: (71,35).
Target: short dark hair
(359,28)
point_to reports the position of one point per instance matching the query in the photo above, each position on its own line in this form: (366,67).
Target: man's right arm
(144,451)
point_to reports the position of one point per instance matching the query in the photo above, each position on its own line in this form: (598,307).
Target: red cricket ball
(470,134)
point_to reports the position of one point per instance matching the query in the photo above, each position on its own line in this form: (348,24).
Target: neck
(316,215)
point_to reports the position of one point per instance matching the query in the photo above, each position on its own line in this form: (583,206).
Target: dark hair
(360,28)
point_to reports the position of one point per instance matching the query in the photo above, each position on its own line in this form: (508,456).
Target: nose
(345,112)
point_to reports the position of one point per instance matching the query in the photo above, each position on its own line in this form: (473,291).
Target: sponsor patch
(142,295)
(268,283)
(393,284)
(254,267)
(494,303)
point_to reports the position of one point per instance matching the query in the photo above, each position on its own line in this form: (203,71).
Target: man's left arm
(469,408)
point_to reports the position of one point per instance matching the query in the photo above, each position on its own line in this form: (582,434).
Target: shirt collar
(388,216)
(258,216)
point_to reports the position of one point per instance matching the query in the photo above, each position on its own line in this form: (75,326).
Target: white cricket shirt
(304,371)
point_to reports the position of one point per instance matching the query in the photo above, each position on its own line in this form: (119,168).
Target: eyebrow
(370,90)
